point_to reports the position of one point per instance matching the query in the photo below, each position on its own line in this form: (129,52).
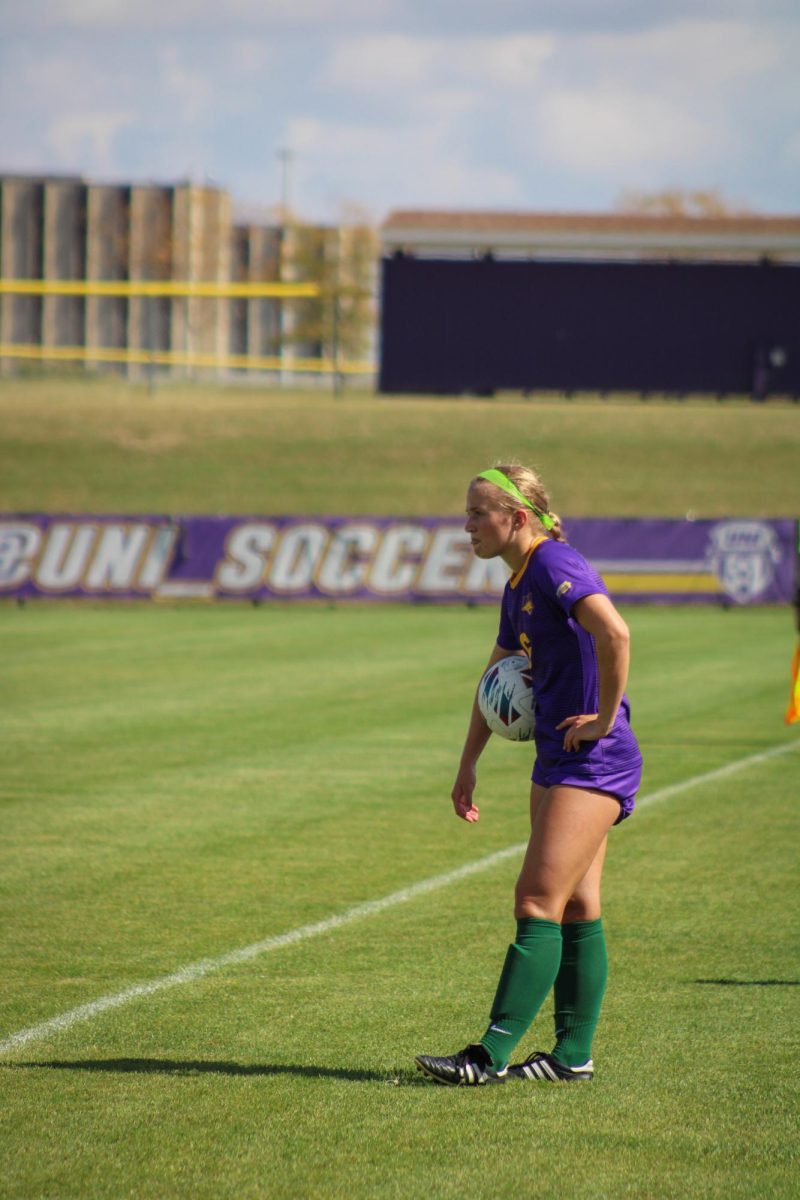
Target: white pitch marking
(719,773)
(207,966)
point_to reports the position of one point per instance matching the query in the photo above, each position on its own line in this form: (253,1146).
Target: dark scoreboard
(483,325)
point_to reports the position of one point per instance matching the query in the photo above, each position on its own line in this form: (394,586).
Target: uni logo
(87,556)
(744,556)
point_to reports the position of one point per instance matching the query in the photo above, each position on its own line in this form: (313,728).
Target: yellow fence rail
(179,358)
(171,289)
(168,288)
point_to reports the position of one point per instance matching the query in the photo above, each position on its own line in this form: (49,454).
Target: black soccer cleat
(469,1068)
(541,1066)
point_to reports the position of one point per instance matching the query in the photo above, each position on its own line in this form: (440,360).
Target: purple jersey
(536,617)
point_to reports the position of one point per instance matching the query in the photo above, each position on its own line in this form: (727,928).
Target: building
(626,236)
(146,278)
(480,302)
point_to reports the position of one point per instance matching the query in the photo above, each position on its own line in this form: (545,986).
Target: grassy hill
(79,444)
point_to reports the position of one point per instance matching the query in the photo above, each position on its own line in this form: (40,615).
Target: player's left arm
(598,616)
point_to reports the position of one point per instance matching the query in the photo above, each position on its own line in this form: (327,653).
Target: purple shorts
(598,771)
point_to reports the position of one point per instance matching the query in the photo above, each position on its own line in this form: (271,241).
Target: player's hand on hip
(461,795)
(585,727)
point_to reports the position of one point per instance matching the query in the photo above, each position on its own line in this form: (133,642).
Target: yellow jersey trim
(516,578)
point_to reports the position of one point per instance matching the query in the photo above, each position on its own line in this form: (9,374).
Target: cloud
(399,65)
(398,16)
(675,105)
(390,102)
(118,15)
(249,56)
(81,137)
(187,86)
(412,162)
(643,108)
(618,131)
(791,151)
(686,55)
(393,63)
(512,62)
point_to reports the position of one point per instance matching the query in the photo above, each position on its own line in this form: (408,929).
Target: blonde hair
(532,488)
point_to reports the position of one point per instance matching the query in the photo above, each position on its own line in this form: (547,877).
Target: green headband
(507,485)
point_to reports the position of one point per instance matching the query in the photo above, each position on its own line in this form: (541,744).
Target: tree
(679,202)
(339,323)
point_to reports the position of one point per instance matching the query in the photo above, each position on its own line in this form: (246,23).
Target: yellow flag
(793,710)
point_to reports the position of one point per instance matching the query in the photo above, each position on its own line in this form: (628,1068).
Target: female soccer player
(556,610)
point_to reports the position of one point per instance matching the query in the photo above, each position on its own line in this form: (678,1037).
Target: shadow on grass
(750,982)
(167,1066)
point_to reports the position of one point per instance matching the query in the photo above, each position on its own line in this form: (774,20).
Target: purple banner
(378,558)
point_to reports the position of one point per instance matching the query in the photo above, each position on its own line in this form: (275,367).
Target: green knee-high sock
(529,970)
(579,988)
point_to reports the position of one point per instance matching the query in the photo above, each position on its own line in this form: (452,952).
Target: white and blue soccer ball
(505,698)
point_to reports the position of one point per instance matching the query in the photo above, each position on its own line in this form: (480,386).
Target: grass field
(180,783)
(93,445)
(188,781)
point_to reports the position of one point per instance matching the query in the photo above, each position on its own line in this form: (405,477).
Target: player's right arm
(478,735)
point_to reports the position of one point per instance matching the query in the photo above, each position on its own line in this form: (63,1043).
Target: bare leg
(580,983)
(559,884)
(561,872)
(584,903)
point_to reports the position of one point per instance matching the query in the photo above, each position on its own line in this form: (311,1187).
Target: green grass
(99,445)
(180,782)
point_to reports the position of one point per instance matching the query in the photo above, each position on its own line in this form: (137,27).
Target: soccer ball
(505,698)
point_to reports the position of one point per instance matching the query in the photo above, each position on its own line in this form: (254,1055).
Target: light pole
(285,157)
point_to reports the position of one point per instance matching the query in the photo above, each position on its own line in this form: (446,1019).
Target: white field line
(207,966)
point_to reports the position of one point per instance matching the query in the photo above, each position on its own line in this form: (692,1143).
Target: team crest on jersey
(527,604)
(563,588)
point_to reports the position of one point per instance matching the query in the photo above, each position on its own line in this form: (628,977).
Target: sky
(549,105)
